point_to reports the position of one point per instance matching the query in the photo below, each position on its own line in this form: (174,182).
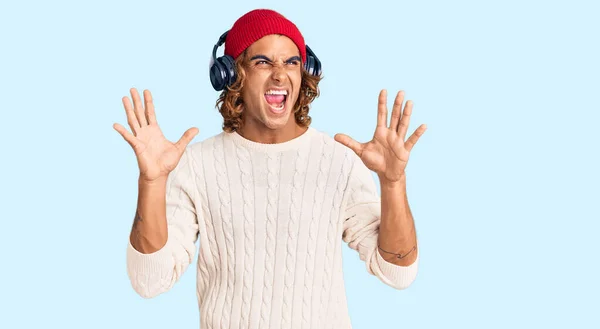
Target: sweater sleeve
(362,216)
(155,273)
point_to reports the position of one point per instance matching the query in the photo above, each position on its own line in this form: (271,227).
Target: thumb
(350,143)
(187,137)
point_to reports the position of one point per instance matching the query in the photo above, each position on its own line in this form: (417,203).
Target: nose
(278,73)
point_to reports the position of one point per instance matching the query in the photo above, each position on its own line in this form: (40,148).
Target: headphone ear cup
(312,64)
(229,65)
(217,75)
(222,72)
(309,65)
(317,66)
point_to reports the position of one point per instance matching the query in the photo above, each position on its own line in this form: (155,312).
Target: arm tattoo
(136,220)
(135,231)
(399,256)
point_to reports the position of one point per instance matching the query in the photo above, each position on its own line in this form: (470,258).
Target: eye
(294,62)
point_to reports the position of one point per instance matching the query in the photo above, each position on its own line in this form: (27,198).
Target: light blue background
(503,185)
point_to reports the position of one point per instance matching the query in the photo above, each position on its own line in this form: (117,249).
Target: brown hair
(230,103)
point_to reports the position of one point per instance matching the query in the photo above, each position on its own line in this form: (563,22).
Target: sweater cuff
(149,263)
(400,276)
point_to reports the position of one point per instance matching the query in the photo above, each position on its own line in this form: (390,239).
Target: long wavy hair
(230,103)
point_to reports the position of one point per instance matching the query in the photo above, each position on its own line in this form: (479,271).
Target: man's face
(273,77)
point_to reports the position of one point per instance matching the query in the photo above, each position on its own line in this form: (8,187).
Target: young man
(270,197)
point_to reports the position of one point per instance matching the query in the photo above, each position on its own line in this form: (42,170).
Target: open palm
(156,156)
(387,153)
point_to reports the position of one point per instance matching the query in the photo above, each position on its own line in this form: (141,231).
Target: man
(270,197)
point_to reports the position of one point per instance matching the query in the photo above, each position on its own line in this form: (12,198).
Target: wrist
(393,184)
(159,181)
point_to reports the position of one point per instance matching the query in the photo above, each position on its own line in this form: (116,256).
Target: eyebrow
(297,58)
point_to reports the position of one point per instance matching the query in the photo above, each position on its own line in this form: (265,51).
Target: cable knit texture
(270,220)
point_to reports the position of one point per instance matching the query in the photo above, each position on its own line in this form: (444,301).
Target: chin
(278,123)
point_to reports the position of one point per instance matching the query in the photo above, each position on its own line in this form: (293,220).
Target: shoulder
(196,148)
(328,142)
(334,148)
(196,151)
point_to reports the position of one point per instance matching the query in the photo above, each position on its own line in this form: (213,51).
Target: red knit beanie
(256,24)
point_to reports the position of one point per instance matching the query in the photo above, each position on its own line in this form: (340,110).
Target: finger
(405,121)
(412,140)
(186,138)
(350,143)
(131,118)
(129,138)
(397,110)
(150,114)
(138,108)
(382,109)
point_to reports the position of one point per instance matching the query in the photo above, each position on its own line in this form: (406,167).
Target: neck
(265,135)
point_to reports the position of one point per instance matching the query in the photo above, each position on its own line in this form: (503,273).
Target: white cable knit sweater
(270,219)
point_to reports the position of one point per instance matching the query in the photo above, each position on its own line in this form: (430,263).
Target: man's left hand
(387,153)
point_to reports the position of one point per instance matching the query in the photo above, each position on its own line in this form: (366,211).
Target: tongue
(274,99)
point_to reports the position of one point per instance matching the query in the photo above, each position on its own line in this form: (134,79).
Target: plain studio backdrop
(503,185)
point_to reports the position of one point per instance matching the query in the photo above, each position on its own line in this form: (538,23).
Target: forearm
(149,231)
(397,235)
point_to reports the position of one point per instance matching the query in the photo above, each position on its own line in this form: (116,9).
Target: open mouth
(276,99)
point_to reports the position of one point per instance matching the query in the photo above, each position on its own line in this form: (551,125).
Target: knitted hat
(256,24)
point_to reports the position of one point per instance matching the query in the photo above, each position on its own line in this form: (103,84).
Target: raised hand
(156,156)
(387,153)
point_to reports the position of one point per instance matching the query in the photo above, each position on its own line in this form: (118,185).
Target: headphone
(222,69)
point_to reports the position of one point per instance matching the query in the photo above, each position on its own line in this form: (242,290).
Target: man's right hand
(156,156)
